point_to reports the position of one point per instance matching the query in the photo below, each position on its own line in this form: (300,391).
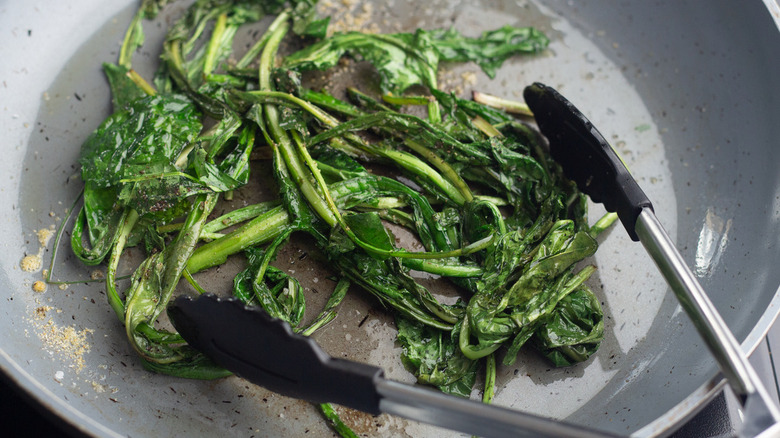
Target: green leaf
(573,331)
(368,227)
(98,221)
(402,59)
(433,356)
(559,251)
(538,308)
(275,291)
(305,22)
(149,132)
(153,284)
(381,278)
(222,163)
(123,89)
(406,59)
(489,50)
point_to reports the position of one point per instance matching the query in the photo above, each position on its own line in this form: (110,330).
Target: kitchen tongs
(590,161)
(265,351)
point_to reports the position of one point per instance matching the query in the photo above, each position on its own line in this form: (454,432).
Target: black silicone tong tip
(266,351)
(585,156)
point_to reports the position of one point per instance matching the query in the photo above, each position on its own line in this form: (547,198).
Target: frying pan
(688,93)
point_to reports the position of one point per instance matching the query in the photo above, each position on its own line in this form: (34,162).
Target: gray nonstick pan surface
(688,92)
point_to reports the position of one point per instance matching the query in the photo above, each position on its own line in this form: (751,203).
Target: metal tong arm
(472,417)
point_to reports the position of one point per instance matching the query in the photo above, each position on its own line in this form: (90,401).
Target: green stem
(255,50)
(498,202)
(268,55)
(466,250)
(445,168)
(386,203)
(126,52)
(116,302)
(137,79)
(485,126)
(315,171)
(281,137)
(445,270)
(270,96)
(405,100)
(602,224)
(453,186)
(270,254)
(260,230)
(212,50)
(473,352)
(195,285)
(328,313)
(213,227)
(329,199)
(434,111)
(296,168)
(418,167)
(239,215)
(330,103)
(335,422)
(158,336)
(510,106)
(490,379)
(397,217)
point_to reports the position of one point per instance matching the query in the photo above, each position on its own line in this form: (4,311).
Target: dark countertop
(20,416)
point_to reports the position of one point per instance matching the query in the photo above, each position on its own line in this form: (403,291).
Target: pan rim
(703,395)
